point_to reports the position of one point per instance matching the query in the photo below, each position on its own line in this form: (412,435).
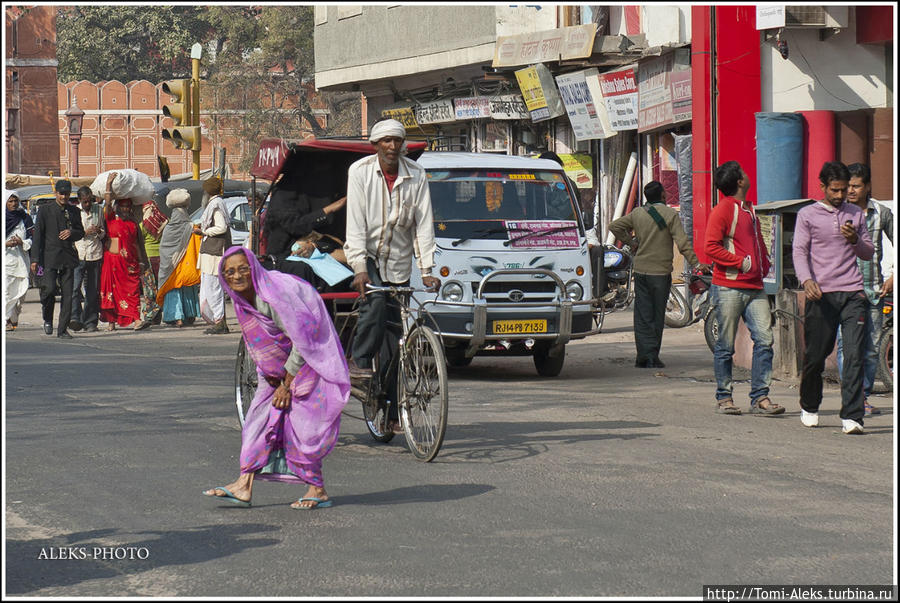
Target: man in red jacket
(734,243)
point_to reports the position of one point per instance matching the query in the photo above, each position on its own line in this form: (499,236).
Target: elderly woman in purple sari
(294,419)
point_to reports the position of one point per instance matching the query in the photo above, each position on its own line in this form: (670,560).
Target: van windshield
(489,195)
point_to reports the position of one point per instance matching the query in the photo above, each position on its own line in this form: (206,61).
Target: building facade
(32,136)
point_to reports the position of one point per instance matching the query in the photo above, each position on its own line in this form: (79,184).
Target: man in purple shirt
(828,237)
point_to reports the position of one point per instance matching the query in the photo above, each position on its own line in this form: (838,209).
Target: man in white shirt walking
(389,220)
(86,304)
(216,239)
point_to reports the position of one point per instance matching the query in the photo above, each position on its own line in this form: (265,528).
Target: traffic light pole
(196,50)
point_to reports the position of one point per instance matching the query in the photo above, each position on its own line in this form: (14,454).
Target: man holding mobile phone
(828,238)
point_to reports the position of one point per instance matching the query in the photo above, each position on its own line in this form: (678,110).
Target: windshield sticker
(522,177)
(442,226)
(535,233)
(493,195)
(560,186)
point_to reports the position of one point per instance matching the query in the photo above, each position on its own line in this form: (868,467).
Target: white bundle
(130,184)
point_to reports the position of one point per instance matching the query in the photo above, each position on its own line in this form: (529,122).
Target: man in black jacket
(57,227)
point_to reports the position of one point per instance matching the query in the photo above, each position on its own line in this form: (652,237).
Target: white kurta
(16,265)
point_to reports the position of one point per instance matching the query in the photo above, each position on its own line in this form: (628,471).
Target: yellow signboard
(530,85)
(580,168)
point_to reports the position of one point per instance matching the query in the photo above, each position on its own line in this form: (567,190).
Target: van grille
(535,291)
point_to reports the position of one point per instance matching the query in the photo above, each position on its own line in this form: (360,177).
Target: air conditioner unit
(816,17)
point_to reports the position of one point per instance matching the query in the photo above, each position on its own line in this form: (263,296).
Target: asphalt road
(608,481)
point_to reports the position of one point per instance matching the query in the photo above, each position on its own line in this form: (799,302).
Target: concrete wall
(383,41)
(660,23)
(854,75)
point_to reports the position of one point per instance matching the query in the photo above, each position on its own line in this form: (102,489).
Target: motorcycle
(618,265)
(681,312)
(886,345)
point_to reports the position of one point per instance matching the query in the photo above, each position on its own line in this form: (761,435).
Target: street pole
(196,51)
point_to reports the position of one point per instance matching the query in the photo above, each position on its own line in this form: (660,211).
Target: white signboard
(435,112)
(620,91)
(769,17)
(580,105)
(472,107)
(508,106)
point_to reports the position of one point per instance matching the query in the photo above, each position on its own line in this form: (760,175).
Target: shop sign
(587,122)
(405,115)
(769,17)
(564,43)
(539,93)
(580,168)
(681,96)
(620,92)
(472,107)
(655,93)
(508,106)
(496,136)
(435,112)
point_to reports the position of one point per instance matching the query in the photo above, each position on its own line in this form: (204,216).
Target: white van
(512,258)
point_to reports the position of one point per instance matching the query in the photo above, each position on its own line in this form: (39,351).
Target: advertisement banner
(472,107)
(405,115)
(580,168)
(546,234)
(539,93)
(435,112)
(620,91)
(581,106)
(508,106)
(655,93)
(564,43)
(681,96)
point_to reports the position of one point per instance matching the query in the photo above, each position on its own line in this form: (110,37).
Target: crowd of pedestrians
(115,262)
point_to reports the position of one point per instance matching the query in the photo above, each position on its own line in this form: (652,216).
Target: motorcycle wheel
(711,329)
(677,312)
(886,359)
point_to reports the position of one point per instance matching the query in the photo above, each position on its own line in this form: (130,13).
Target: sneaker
(809,419)
(871,410)
(851,426)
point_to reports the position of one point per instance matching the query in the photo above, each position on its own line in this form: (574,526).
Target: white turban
(8,194)
(178,198)
(388,127)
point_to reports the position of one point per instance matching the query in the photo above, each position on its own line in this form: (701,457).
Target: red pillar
(738,88)
(701,123)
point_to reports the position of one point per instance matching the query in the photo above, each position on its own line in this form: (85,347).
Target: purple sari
(289,445)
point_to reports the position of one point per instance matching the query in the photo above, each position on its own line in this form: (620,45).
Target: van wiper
(539,233)
(488,231)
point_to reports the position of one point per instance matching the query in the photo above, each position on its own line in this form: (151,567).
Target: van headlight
(452,292)
(574,291)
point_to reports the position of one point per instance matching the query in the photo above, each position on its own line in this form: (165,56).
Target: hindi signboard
(508,106)
(539,93)
(435,112)
(472,107)
(564,43)
(620,91)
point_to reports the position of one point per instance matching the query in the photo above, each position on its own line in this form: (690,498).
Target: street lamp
(74,118)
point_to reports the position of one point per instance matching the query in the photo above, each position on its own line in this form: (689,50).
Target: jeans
(822,317)
(651,291)
(86,305)
(732,304)
(66,276)
(870,363)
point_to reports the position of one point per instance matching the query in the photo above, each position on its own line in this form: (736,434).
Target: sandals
(727,407)
(771,408)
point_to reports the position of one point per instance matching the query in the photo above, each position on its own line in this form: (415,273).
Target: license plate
(519,327)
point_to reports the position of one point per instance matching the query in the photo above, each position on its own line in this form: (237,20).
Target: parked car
(239,214)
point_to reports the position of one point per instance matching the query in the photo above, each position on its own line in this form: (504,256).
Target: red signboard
(272,154)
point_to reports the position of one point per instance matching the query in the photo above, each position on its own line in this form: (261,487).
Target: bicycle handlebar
(395,289)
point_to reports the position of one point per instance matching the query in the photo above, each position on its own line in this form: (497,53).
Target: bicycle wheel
(677,311)
(245,381)
(711,329)
(423,393)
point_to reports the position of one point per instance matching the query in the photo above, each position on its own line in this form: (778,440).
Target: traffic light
(181,112)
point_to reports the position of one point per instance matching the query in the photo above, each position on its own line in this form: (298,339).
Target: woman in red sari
(123,261)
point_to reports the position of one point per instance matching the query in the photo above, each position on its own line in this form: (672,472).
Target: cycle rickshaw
(411,369)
